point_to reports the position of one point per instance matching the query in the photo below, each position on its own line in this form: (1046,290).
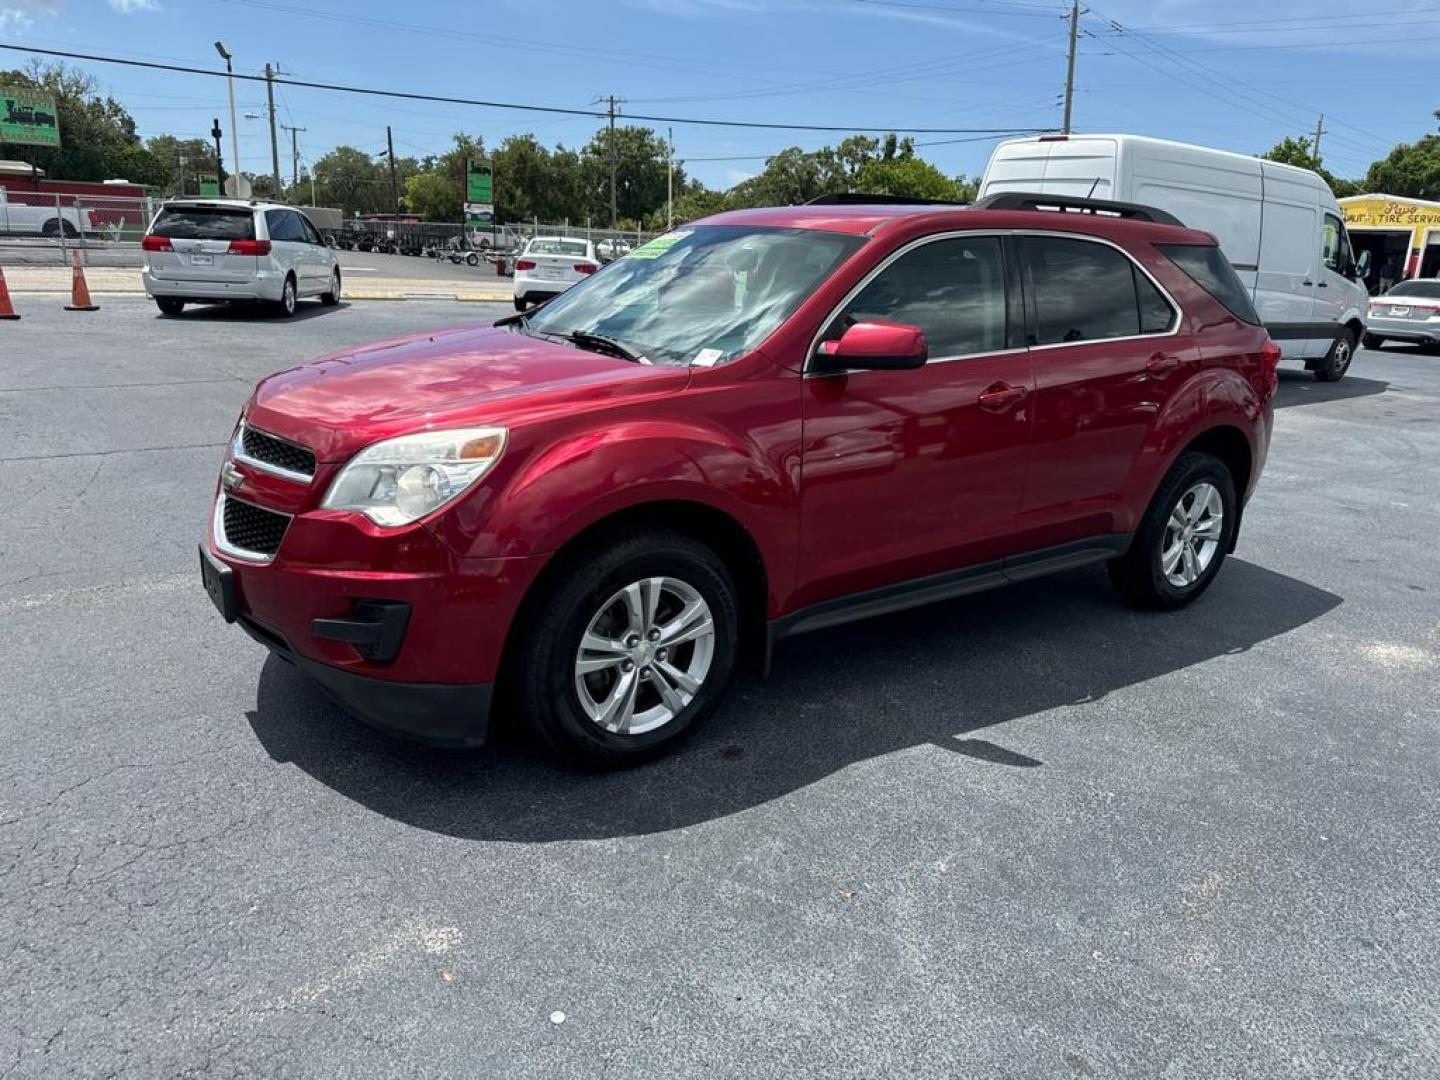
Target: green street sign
(28,117)
(210,186)
(479,182)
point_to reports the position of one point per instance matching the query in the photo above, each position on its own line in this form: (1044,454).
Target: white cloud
(129,7)
(19,14)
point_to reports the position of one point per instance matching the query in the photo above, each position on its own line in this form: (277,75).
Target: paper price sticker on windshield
(653,249)
(707,357)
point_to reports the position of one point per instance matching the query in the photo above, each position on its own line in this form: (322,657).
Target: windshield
(204,223)
(700,295)
(557,247)
(1428,289)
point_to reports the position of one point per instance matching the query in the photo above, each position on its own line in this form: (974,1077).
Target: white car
(549,265)
(201,251)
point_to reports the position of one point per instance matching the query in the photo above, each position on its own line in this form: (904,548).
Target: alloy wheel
(644,655)
(1192,535)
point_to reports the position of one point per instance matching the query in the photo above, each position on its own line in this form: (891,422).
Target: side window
(1156,314)
(307,230)
(953,289)
(1086,291)
(1336,252)
(281,224)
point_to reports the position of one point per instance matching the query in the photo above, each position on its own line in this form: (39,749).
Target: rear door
(1106,357)
(288,247)
(200,236)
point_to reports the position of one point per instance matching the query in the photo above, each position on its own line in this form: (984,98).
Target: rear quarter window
(204,223)
(1207,266)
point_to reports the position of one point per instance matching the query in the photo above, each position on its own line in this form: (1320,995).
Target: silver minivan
(202,251)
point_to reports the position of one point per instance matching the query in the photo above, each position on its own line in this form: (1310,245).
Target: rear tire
(653,674)
(472,259)
(1182,515)
(285,306)
(1370,341)
(1337,360)
(169,305)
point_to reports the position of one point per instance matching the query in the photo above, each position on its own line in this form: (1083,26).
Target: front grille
(253,528)
(268,450)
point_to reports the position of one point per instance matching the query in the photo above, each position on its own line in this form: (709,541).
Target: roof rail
(1074,204)
(848,198)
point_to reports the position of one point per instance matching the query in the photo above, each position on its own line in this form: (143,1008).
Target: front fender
(558,491)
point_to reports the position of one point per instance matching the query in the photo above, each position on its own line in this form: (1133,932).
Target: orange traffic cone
(7,309)
(79,293)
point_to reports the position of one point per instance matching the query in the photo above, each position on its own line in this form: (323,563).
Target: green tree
(98,140)
(1411,170)
(352,180)
(197,154)
(860,164)
(1298,151)
(434,195)
(641,173)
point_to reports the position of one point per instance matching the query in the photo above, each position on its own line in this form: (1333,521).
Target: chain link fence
(40,228)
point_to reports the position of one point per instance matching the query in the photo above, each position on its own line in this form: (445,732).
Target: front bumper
(402,632)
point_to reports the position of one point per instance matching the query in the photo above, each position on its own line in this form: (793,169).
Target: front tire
(1337,360)
(520,304)
(628,648)
(1183,538)
(331,298)
(169,305)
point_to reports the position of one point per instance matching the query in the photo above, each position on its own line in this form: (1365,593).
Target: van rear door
(200,236)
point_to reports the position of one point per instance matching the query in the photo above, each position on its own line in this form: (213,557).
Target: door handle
(1000,396)
(1307,283)
(1324,285)
(1159,363)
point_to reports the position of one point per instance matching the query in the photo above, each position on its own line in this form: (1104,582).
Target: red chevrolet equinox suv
(766,422)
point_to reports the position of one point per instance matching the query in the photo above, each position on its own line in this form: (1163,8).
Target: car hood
(451,378)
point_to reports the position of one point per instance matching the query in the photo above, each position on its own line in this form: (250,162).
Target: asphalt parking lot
(1029,834)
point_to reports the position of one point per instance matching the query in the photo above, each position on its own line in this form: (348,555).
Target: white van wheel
(1337,360)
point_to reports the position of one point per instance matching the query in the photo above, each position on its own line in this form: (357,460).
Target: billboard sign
(479,213)
(28,117)
(479,182)
(209,185)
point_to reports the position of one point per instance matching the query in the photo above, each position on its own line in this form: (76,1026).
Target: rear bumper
(261,287)
(437,713)
(1422,331)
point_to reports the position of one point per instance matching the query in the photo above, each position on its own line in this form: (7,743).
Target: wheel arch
(703,522)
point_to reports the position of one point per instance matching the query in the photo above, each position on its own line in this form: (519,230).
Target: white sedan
(549,265)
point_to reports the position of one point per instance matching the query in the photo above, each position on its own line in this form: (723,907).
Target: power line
(996,7)
(518,106)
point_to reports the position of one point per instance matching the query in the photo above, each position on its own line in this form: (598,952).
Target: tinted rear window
(204,223)
(1208,268)
(1427,289)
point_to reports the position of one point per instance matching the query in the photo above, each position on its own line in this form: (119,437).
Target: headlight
(401,480)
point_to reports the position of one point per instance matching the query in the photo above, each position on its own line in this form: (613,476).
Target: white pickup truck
(23,219)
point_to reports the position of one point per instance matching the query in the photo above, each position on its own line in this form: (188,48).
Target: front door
(1334,290)
(912,473)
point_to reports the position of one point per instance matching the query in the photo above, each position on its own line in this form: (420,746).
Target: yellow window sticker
(653,249)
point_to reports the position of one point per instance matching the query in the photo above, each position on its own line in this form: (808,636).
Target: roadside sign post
(480,195)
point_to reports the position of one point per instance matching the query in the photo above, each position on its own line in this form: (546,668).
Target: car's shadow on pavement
(937,675)
(250,312)
(1300,388)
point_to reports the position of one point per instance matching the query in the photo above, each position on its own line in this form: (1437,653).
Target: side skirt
(947,586)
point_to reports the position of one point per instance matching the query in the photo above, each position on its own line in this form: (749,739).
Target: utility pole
(1319,130)
(228,56)
(270,74)
(215,134)
(390,151)
(670,183)
(1075,13)
(610,143)
(294,154)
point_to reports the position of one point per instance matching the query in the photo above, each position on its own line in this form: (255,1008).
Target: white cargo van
(1280,226)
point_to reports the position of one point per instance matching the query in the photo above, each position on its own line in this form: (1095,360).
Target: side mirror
(874,346)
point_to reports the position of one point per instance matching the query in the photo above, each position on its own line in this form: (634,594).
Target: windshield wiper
(600,343)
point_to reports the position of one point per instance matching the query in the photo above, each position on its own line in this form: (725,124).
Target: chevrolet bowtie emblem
(230,477)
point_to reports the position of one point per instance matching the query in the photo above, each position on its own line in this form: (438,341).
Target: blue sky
(1227,73)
